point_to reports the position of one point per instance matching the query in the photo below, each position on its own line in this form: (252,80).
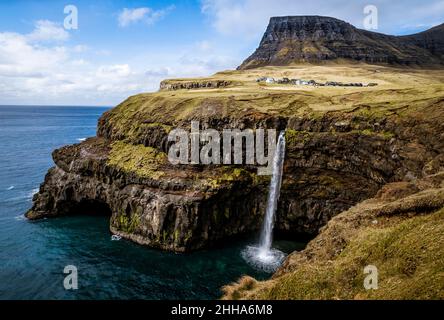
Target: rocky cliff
(336,157)
(201,84)
(317,39)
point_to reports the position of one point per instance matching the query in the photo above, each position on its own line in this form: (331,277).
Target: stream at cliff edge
(34,254)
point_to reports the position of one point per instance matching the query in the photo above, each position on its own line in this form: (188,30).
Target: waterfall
(263,256)
(273,194)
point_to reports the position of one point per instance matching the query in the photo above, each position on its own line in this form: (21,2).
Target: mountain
(316,39)
(432,40)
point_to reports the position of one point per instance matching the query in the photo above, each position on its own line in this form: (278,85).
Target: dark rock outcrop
(316,39)
(203,84)
(332,162)
(175,213)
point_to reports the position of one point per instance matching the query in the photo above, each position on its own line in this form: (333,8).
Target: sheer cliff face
(333,161)
(343,144)
(315,39)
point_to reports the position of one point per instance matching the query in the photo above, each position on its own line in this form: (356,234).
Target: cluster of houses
(300,82)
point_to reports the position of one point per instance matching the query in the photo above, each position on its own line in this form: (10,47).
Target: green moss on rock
(143,161)
(293,137)
(232,174)
(128,224)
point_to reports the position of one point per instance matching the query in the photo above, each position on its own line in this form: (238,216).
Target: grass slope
(399,90)
(402,238)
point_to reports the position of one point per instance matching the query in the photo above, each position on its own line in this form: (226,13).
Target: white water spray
(273,194)
(264,257)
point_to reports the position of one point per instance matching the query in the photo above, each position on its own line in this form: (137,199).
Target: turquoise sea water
(34,254)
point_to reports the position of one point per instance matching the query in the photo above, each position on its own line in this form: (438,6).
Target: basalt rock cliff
(333,161)
(343,144)
(317,39)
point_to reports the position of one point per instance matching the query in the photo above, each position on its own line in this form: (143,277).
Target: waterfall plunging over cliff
(273,193)
(264,256)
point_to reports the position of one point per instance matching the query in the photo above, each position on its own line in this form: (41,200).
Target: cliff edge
(343,145)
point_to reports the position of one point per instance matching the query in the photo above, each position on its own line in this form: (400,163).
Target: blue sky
(125,47)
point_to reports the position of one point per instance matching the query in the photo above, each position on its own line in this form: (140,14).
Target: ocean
(33,255)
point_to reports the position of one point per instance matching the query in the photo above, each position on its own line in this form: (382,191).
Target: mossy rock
(145,162)
(127,223)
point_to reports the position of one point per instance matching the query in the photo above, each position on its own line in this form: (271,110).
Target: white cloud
(46,30)
(162,72)
(18,57)
(79,62)
(46,72)
(103,52)
(204,46)
(32,73)
(80,48)
(128,16)
(118,70)
(148,15)
(206,64)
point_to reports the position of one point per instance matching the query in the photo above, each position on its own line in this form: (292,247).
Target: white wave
(32,193)
(10,188)
(24,195)
(115,237)
(81,139)
(20,217)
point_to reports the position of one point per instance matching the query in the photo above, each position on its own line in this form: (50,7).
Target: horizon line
(55,105)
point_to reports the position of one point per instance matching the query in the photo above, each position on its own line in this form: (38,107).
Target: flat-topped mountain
(314,39)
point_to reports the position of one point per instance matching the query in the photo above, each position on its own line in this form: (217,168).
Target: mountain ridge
(315,39)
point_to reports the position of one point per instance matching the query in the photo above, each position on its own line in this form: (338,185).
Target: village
(301,82)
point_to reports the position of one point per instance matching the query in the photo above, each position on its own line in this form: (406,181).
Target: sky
(121,48)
